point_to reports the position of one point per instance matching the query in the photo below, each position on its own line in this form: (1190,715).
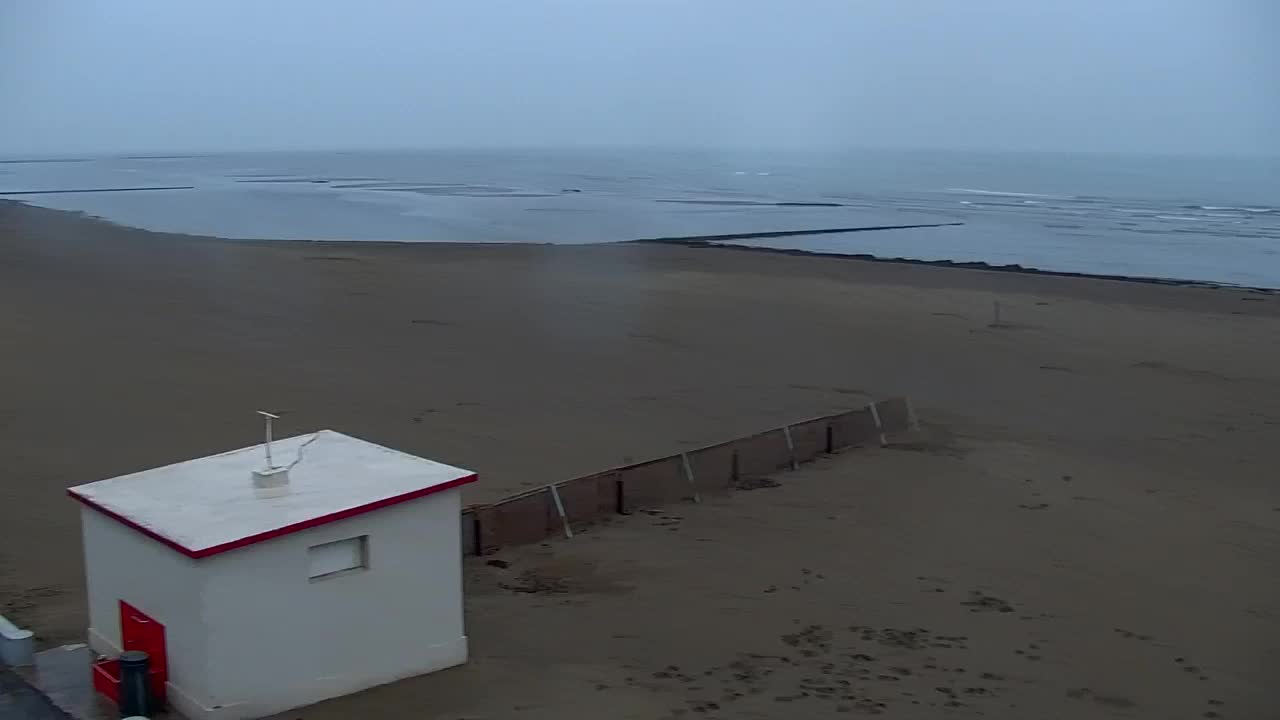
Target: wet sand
(1144,416)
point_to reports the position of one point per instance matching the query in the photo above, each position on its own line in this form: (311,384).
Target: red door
(140,632)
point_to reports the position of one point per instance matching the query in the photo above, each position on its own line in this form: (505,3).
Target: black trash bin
(135,684)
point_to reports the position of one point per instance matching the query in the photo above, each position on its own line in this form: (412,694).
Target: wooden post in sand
(791,446)
(688,475)
(564,520)
(875,415)
(913,421)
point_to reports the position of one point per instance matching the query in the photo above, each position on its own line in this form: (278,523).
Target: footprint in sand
(1112,701)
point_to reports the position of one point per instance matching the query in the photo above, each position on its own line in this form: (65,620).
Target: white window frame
(359,558)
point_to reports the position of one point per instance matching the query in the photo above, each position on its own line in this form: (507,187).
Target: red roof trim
(277,532)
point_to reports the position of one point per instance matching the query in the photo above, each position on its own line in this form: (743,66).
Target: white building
(261,590)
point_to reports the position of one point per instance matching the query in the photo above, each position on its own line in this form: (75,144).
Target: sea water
(1213,219)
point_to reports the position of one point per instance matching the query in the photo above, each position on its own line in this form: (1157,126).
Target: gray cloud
(1106,75)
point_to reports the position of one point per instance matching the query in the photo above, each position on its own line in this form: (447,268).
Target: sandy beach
(1092,530)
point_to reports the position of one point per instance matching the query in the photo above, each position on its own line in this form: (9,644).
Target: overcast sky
(1101,75)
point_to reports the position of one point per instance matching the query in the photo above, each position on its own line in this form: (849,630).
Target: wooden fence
(562,507)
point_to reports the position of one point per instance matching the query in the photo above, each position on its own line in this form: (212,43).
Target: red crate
(106,680)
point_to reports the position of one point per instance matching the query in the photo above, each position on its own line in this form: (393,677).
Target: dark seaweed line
(24,161)
(718,242)
(708,239)
(95,190)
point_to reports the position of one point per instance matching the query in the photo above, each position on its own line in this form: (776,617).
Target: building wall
(279,640)
(123,564)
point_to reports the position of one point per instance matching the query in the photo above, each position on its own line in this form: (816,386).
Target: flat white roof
(206,506)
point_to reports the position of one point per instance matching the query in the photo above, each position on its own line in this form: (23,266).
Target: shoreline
(700,242)
(721,242)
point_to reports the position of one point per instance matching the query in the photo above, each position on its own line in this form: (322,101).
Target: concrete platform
(61,681)
(19,701)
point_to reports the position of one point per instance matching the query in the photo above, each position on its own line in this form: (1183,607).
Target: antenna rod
(268,417)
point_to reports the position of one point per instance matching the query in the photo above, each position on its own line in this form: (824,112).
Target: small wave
(1236,209)
(1185,217)
(997,192)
